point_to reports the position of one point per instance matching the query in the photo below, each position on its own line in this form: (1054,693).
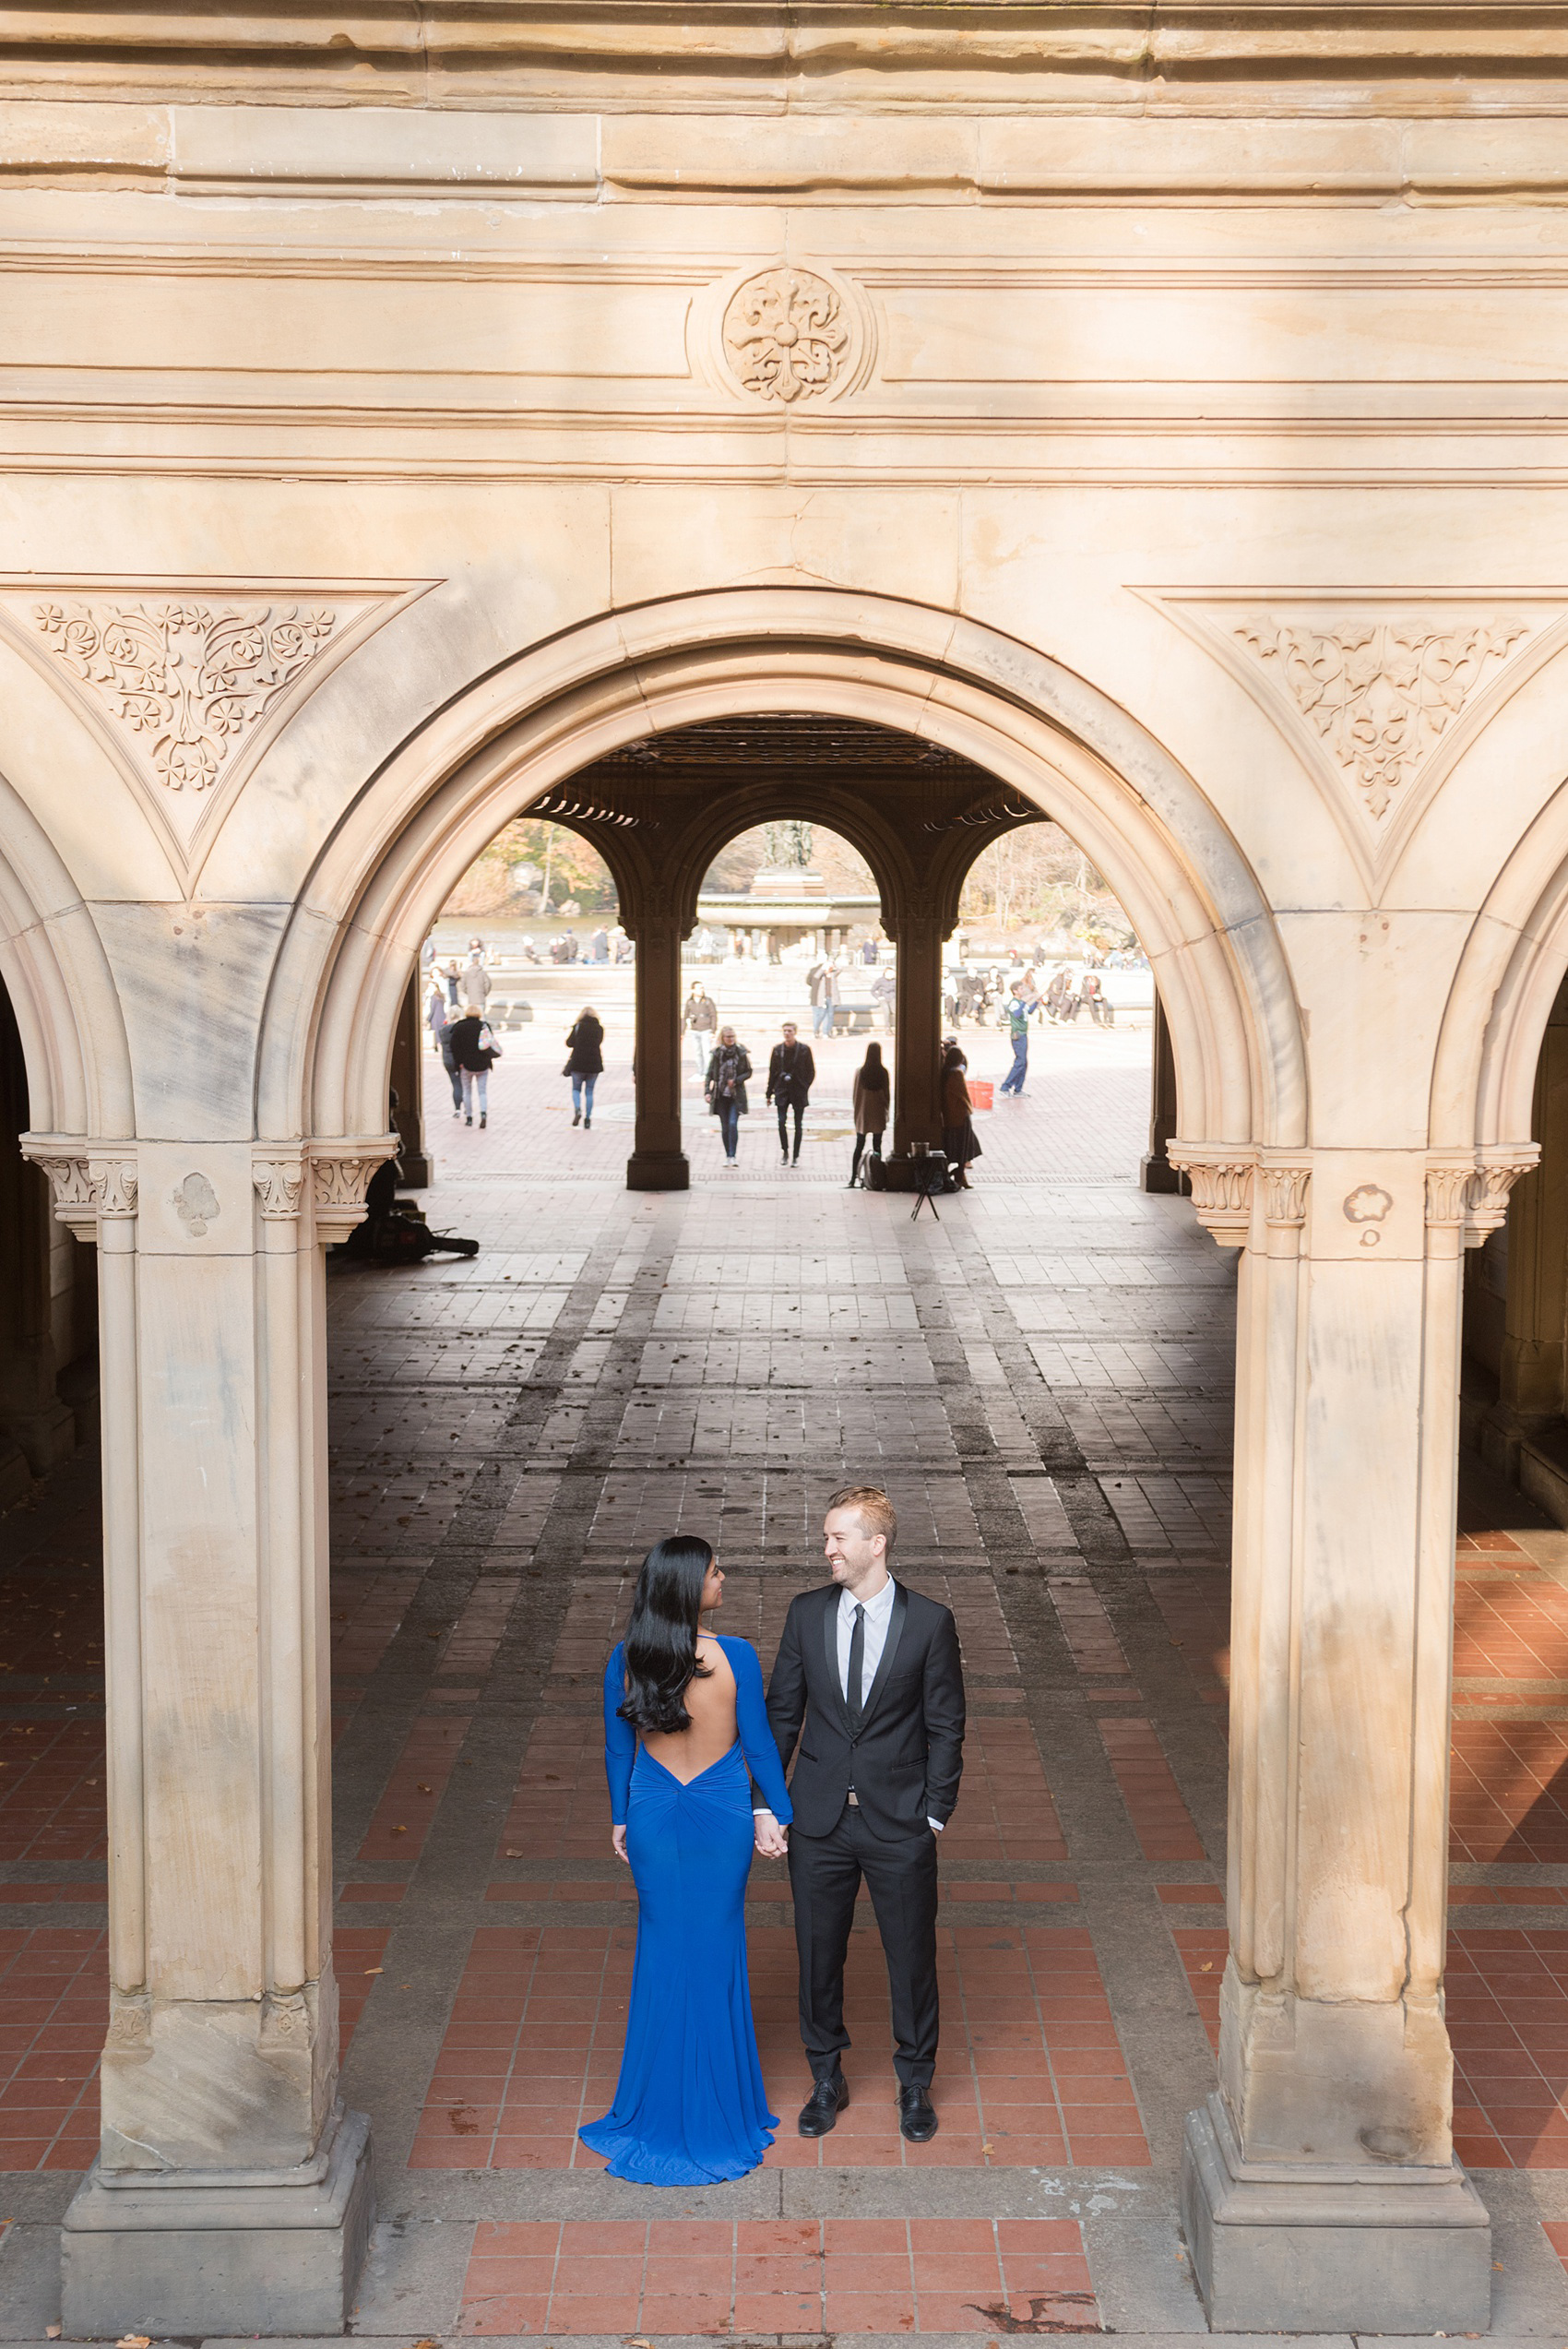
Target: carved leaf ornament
(190,678)
(785,335)
(1381,692)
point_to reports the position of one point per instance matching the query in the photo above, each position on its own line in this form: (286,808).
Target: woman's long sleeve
(620,1738)
(756,1738)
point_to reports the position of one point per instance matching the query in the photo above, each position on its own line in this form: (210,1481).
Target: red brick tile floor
(1037,2075)
(725,2276)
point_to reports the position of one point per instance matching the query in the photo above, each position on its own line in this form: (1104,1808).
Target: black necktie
(857,1667)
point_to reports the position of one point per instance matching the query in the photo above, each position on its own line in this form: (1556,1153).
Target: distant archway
(503,745)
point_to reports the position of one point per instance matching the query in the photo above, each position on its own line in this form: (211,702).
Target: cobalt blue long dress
(689,2104)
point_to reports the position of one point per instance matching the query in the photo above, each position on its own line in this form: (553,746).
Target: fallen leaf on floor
(1208,1968)
(51,2332)
(512,1855)
(368,1969)
(133,2341)
(424,1788)
(399,1830)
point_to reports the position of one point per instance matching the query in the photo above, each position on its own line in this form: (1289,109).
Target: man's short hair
(873,1507)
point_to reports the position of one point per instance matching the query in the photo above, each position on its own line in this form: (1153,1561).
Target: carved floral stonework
(188,677)
(279,1184)
(786,335)
(1285,1193)
(1222,1189)
(1472,1194)
(87,1188)
(1381,692)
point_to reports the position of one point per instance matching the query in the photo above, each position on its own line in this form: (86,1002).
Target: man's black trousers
(783,1130)
(824,1876)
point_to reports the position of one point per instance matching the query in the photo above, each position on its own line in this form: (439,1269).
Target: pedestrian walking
(791,1072)
(873,1097)
(474,1049)
(959,1140)
(585,1063)
(453,976)
(441,1026)
(725,1089)
(824,998)
(1019,1005)
(884,988)
(700,1019)
(475,987)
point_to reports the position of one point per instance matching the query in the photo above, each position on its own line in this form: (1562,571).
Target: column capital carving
(279,1179)
(340,1173)
(1468,1191)
(1221,1176)
(93,1181)
(1285,1185)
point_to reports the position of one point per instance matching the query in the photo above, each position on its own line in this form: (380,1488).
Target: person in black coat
(868,1680)
(585,1064)
(474,1049)
(791,1072)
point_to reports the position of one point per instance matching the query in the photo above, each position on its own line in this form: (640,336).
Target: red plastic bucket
(980,1094)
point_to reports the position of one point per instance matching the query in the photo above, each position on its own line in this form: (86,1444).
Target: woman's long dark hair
(873,1076)
(661,1638)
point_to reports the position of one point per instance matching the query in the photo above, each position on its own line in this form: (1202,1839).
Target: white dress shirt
(879,1614)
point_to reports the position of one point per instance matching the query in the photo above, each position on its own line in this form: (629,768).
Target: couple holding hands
(868,1681)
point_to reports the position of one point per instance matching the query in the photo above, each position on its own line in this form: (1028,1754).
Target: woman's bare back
(687,1753)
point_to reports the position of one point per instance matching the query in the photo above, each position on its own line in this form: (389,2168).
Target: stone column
(917,1041)
(1533,1371)
(37,1429)
(232,2189)
(658,1162)
(408,1083)
(1156,1171)
(1319,2191)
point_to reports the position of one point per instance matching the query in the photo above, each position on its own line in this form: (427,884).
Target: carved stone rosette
(1469,1190)
(1221,1176)
(91,1181)
(340,1173)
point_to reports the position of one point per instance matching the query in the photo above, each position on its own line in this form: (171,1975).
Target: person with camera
(725,1089)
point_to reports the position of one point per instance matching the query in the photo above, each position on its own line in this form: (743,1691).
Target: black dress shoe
(917,2116)
(821,2110)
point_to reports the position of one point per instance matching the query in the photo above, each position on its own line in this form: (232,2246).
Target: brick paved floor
(1042,1381)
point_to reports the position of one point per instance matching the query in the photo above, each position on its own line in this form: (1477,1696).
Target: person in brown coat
(872,1095)
(958,1116)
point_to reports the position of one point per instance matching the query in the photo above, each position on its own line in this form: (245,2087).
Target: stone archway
(222,2053)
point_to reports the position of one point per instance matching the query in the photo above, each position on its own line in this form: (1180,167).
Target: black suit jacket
(906,1760)
(791,1079)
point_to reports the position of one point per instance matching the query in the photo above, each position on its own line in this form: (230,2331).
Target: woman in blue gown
(684,1718)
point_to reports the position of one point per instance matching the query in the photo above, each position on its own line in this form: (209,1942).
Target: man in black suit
(868,1678)
(790,1075)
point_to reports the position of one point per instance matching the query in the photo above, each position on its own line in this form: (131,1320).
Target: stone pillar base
(662,1170)
(1157,1173)
(213,2254)
(1282,2246)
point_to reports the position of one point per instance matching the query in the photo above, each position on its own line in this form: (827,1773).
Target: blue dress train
(690,2108)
